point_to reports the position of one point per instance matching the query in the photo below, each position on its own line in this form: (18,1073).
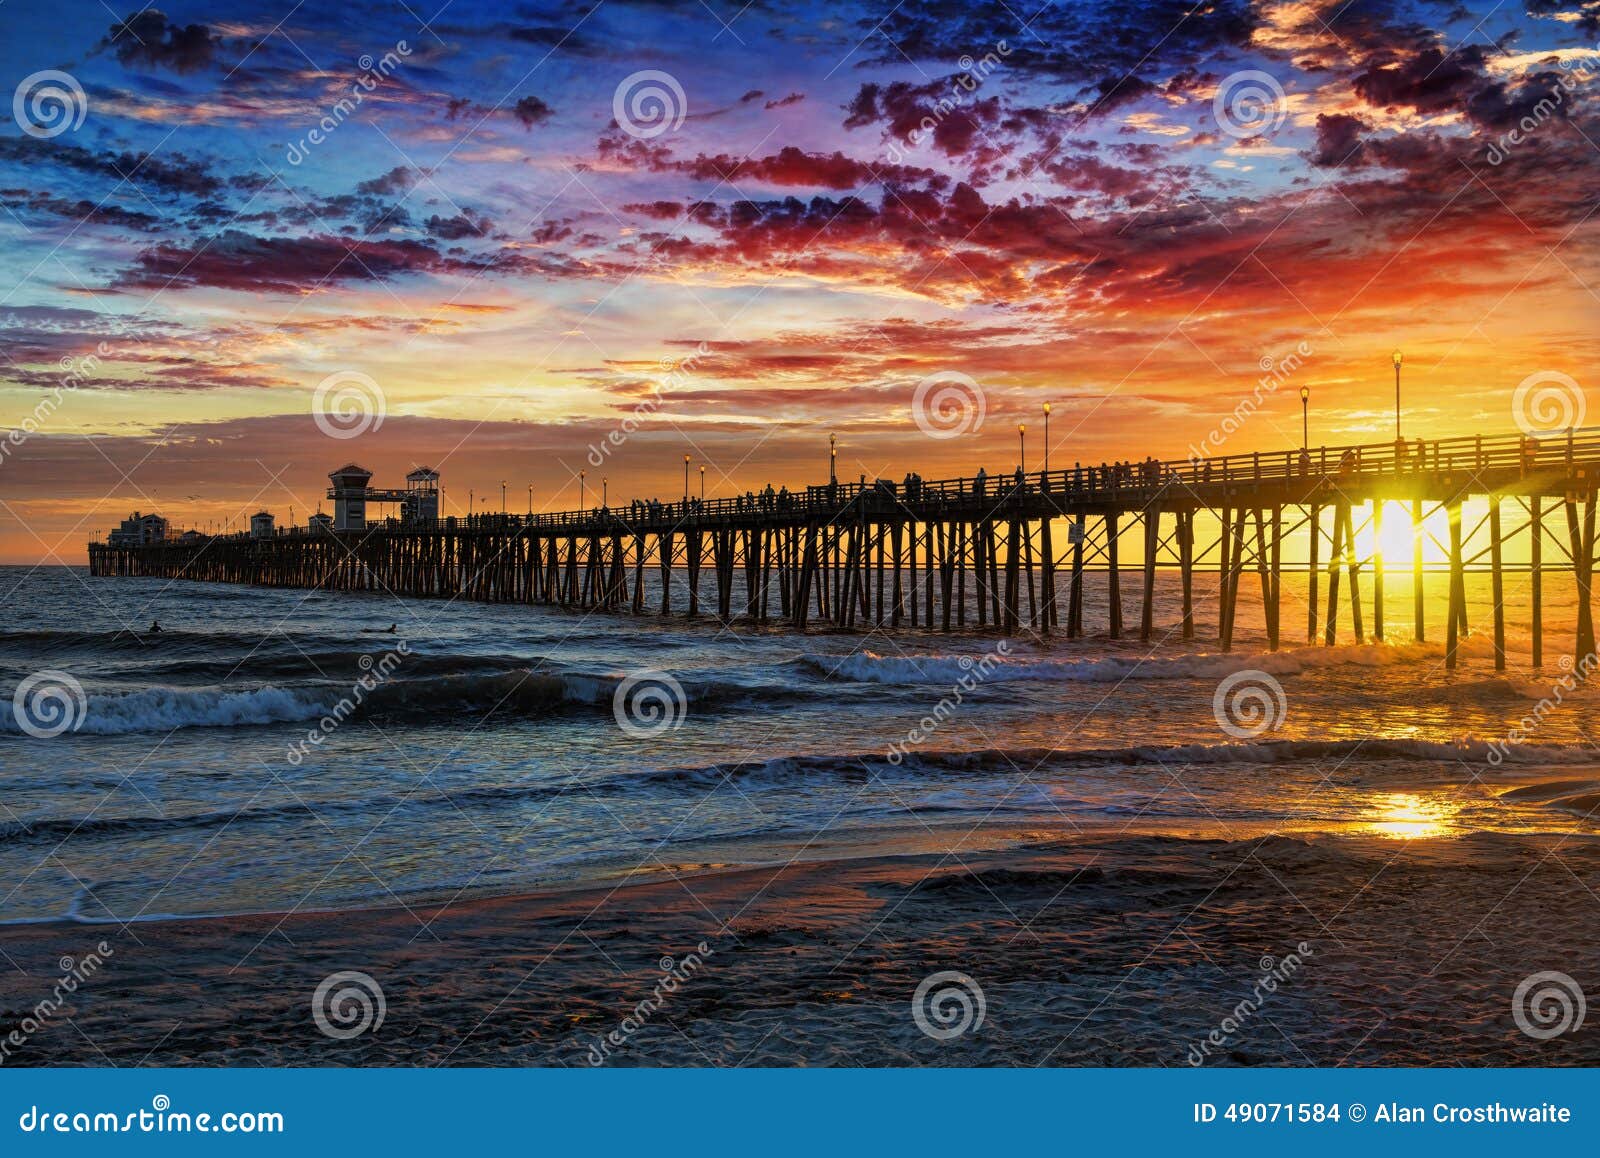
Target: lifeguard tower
(349,494)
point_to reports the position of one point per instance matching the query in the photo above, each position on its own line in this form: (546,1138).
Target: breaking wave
(521,692)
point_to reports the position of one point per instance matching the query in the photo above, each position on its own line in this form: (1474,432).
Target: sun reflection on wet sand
(1404,816)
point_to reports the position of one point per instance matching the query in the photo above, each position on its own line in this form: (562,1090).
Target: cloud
(531,111)
(395,181)
(149,38)
(235,260)
(167,171)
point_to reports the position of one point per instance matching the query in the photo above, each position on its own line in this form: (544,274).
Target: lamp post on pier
(685,482)
(1305,418)
(530,498)
(702,484)
(1047,438)
(502,496)
(1396,356)
(583,503)
(1022,447)
(833,459)
(605,492)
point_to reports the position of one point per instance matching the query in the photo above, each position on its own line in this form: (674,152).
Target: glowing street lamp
(1047,438)
(530,498)
(702,484)
(583,503)
(1022,445)
(1396,356)
(833,458)
(1305,418)
(685,480)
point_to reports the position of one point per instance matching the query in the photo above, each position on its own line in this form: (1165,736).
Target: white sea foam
(871,667)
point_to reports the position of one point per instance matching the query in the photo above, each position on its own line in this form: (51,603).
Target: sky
(245,243)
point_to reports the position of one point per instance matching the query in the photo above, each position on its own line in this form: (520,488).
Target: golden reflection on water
(1404,816)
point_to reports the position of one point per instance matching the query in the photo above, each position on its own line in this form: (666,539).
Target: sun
(1396,540)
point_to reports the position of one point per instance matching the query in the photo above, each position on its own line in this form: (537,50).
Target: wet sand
(1087,951)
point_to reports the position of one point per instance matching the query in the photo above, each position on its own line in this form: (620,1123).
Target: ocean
(279,750)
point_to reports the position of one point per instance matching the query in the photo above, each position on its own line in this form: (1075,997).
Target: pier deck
(990,553)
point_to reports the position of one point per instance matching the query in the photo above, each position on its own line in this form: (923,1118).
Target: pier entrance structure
(989,552)
(351,492)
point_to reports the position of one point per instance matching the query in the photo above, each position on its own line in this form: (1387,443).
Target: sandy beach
(1087,951)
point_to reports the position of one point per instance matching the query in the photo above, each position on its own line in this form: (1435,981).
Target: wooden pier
(1005,553)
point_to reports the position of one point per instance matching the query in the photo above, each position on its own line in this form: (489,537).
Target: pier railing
(981,548)
(1126,484)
